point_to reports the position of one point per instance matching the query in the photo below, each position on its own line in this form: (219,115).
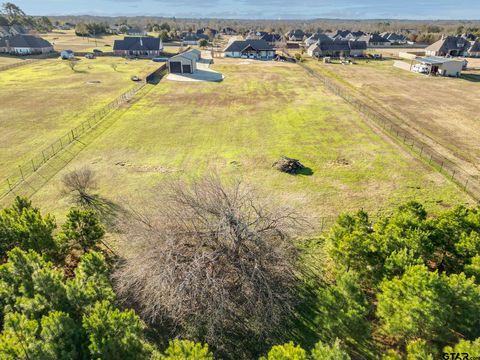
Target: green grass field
(44,100)
(238,128)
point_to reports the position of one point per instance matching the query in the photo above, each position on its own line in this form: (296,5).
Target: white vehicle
(420,68)
(67,54)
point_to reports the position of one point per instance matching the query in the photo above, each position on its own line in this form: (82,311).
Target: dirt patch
(146,168)
(340,161)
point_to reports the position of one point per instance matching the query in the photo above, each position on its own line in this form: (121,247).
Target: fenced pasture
(67,40)
(435,116)
(238,128)
(44,100)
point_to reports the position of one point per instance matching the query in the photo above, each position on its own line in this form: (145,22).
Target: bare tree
(214,262)
(80,184)
(72,63)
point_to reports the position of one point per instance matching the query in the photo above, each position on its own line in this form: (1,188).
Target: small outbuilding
(442,66)
(184,63)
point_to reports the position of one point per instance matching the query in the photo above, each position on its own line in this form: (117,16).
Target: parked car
(90,56)
(135,78)
(160,59)
(67,55)
(420,68)
(97,51)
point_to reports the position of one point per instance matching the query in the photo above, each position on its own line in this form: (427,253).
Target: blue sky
(258,9)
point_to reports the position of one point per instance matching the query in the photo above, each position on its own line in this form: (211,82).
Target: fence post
(43,154)
(73,135)
(21,172)
(33,166)
(9,185)
(466,182)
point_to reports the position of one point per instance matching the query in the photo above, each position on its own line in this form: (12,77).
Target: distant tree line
(11,14)
(91,29)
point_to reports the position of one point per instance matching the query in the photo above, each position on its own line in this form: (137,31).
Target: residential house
(24,45)
(474,49)
(449,46)
(337,48)
(395,39)
(295,35)
(4,31)
(469,36)
(272,38)
(316,37)
(375,40)
(136,31)
(12,30)
(184,63)
(251,49)
(143,46)
(202,31)
(192,39)
(256,35)
(228,31)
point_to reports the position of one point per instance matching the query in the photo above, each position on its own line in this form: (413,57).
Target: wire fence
(31,166)
(446,166)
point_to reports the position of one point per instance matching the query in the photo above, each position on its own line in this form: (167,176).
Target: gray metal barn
(184,63)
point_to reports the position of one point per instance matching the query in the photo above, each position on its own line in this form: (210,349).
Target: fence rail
(31,166)
(444,165)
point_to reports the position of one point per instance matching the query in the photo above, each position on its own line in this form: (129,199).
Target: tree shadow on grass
(107,210)
(306,171)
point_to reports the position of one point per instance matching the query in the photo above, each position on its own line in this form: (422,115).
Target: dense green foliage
(414,280)
(48,317)
(404,287)
(321,351)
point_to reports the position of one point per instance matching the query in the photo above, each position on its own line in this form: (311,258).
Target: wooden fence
(31,166)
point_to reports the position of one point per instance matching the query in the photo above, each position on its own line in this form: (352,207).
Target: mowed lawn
(446,110)
(238,128)
(42,101)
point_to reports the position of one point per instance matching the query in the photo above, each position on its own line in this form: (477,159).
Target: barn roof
(137,43)
(25,41)
(192,54)
(435,60)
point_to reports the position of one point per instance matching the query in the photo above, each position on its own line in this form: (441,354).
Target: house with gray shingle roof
(24,45)
(337,48)
(375,40)
(295,35)
(474,49)
(449,46)
(317,37)
(250,49)
(138,46)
